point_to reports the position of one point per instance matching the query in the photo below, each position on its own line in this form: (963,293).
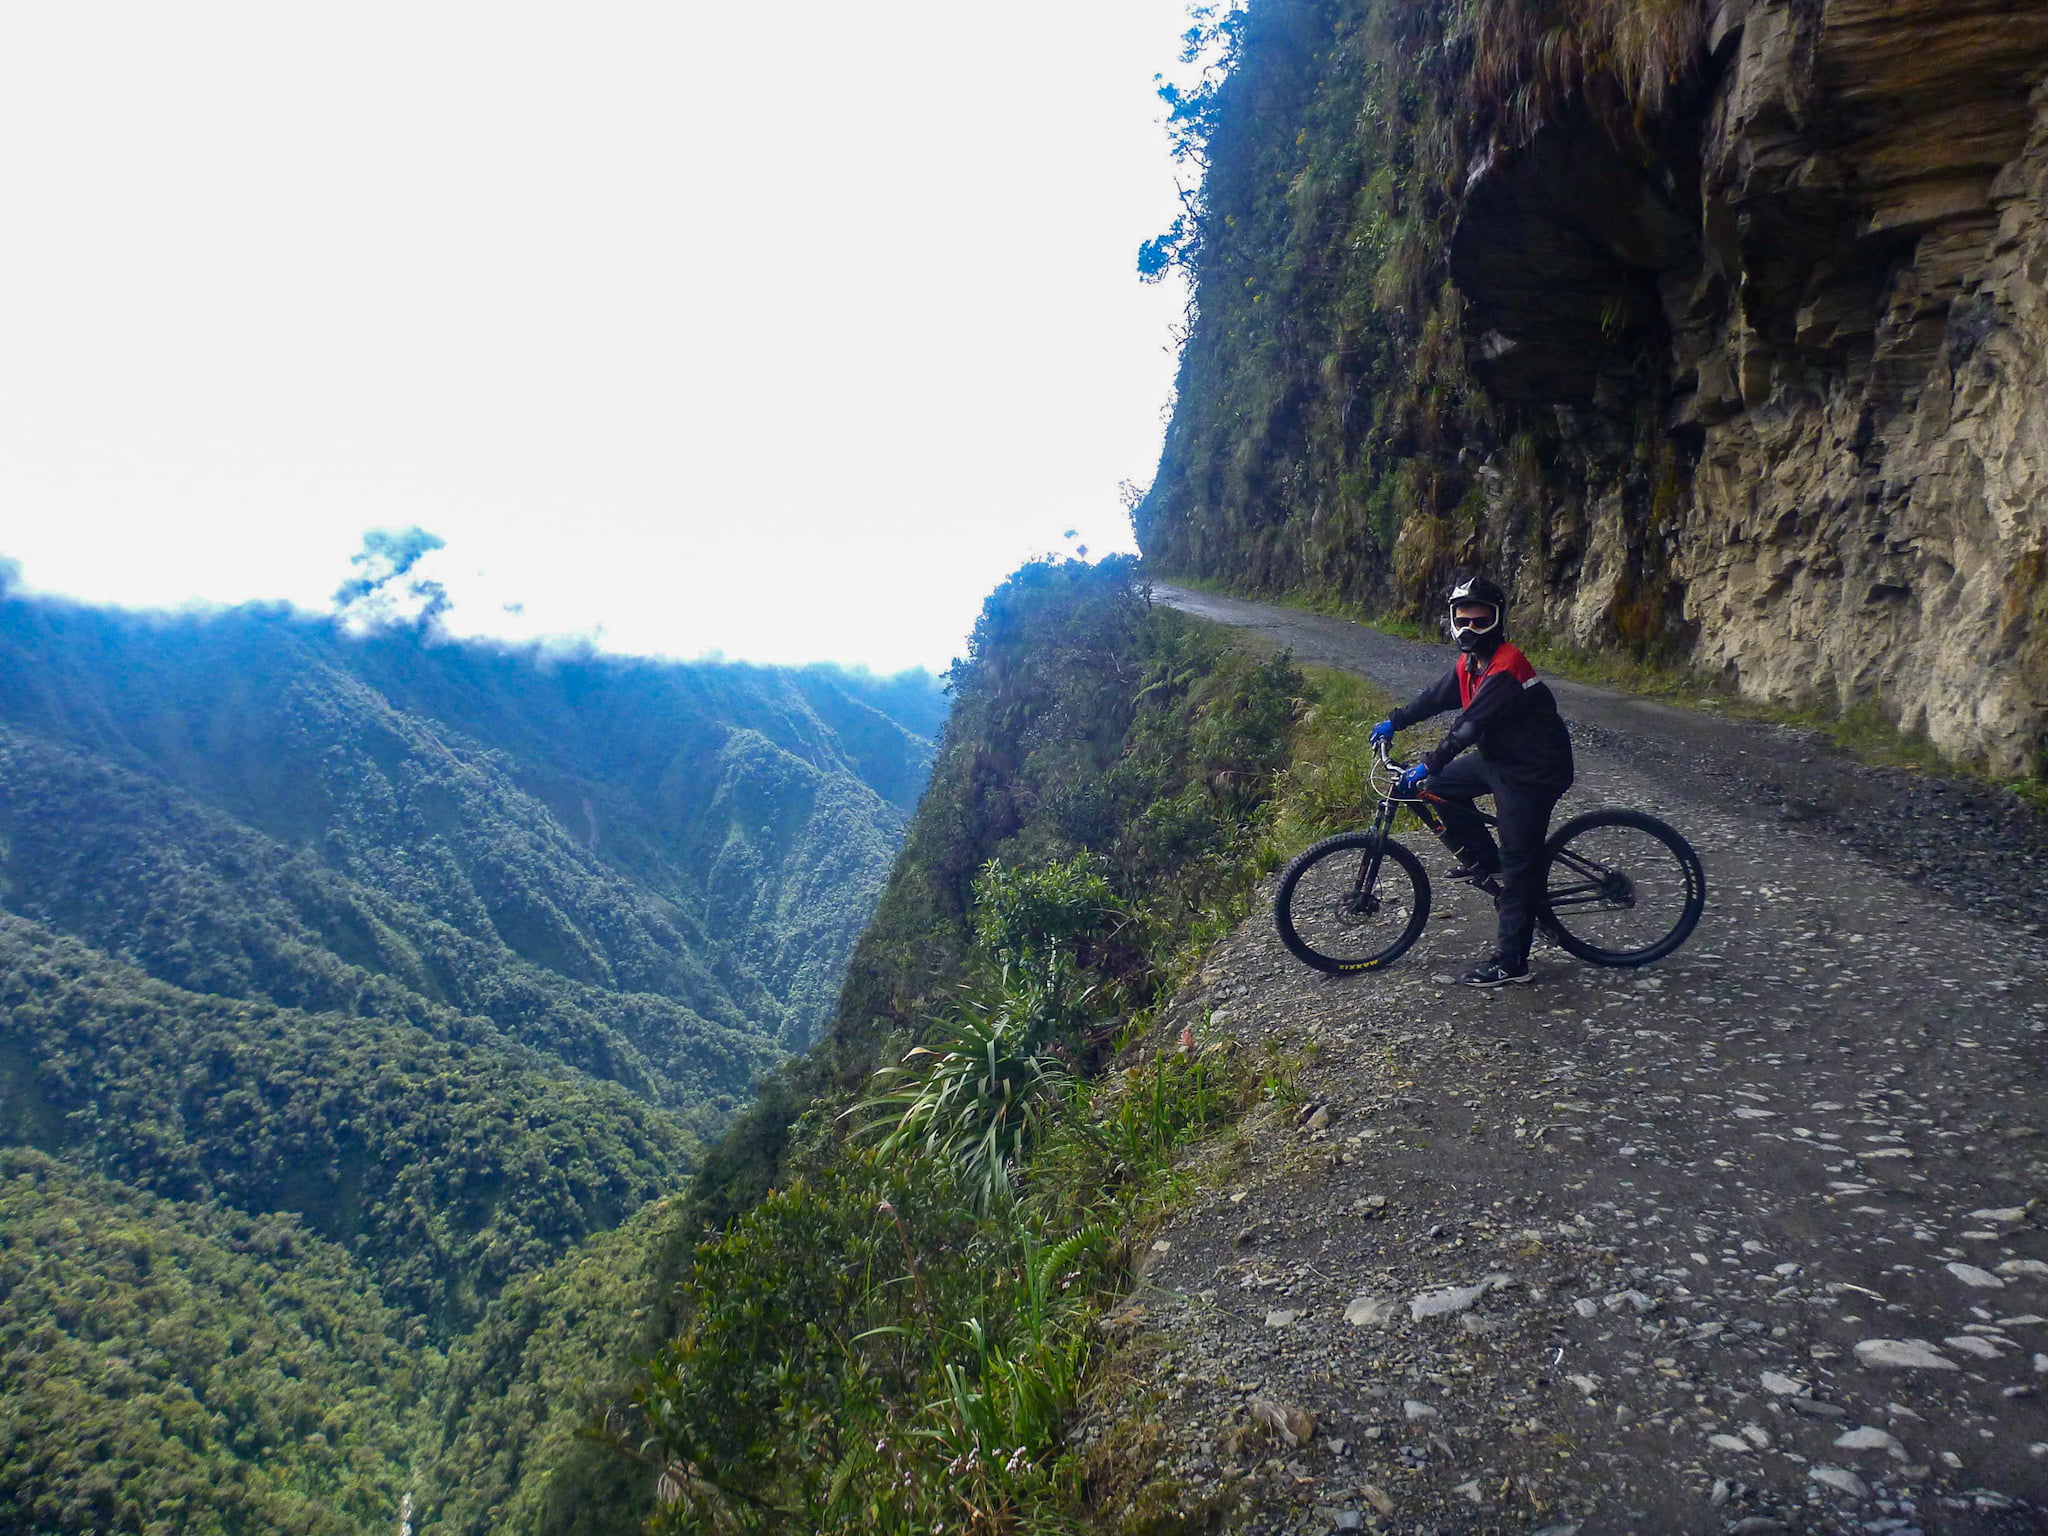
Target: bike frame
(1598,884)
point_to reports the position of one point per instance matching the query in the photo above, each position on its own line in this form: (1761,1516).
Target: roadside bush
(863,1351)
(971,1099)
(1021,913)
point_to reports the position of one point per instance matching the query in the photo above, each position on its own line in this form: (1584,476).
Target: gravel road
(1748,1241)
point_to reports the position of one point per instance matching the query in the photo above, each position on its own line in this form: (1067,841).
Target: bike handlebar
(1386,761)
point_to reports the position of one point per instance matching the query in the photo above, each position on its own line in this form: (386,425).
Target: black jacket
(1506,712)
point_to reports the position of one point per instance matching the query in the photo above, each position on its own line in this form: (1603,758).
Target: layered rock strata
(1828,276)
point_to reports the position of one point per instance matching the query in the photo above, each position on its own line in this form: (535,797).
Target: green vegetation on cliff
(1321,393)
(889,1318)
(1085,722)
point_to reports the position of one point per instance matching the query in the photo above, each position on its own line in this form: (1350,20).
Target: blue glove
(1411,779)
(1381,735)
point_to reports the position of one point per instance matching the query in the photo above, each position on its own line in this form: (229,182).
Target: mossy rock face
(2024,622)
(1527,287)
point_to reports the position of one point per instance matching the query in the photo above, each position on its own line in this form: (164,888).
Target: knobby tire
(1559,876)
(1312,935)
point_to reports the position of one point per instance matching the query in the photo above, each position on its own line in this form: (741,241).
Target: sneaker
(1497,973)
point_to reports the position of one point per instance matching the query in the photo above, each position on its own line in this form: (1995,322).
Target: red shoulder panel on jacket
(1506,658)
(1509,658)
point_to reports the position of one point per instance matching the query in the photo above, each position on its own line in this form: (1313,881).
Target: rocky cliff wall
(1757,378)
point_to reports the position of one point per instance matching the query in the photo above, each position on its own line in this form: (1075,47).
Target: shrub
(1020,914)
(971,1099)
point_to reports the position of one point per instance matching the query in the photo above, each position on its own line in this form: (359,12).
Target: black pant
(1524,818)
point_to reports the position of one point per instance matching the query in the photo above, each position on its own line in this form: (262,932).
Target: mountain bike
(1621,888)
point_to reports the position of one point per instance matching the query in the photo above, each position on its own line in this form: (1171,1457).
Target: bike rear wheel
(1352,903)
(1621,888)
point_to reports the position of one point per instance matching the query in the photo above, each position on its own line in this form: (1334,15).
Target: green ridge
(427,964)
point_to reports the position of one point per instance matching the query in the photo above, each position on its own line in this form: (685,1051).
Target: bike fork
(1369,866)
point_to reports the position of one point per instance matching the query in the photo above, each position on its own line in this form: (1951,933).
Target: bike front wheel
(1352,903)
(1621,888)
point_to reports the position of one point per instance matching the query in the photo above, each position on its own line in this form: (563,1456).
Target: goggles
(1479,625)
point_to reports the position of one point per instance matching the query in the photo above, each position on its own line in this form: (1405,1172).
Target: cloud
(379,596)
(387,554)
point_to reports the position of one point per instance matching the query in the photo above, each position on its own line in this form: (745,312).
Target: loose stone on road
(1748,1241)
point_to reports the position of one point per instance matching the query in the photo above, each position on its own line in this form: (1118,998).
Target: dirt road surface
(1751,1240)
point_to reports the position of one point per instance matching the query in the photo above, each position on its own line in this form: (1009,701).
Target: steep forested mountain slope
(834,1331)
(1714,329)
(180,1367)
(347,979)
(643,830)
(447,1165)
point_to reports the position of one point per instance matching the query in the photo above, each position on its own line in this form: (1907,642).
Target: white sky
(783,330)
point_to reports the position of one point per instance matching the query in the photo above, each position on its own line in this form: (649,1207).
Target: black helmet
(1482,637)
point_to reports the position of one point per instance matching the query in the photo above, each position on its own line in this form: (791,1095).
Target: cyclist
(1523,758)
